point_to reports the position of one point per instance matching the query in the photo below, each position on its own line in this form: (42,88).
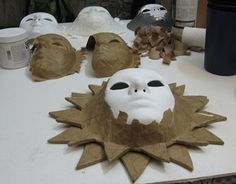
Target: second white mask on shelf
(92,20)
(39,23)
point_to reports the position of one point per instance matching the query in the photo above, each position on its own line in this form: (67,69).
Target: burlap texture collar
(105,138)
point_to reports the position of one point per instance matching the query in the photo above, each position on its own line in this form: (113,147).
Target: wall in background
(201,14)
(12,11)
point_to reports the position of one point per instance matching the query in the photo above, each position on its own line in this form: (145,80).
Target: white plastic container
(185,13)
(13,51)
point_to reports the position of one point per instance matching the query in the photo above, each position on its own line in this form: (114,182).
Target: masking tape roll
(194,36)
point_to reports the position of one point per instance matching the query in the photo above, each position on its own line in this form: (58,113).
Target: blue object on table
(220,48)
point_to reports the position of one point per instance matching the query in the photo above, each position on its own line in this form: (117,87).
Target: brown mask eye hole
(57,44)
(115,40)
(119,85)
(33,48)
(155,83)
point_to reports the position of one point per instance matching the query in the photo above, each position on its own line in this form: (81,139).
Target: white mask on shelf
(149,15)
(39,23)
(92,20)
(154,10)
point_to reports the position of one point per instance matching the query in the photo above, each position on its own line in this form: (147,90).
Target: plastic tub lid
(9,35)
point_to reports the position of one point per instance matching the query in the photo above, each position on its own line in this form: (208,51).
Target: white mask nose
(36,21)
(139,88)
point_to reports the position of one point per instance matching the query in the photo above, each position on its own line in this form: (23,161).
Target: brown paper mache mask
(53,57)
(110,54)
(106,136)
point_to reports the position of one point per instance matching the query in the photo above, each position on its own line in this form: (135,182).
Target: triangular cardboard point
(114,151)
(93,153)
(65,136)
(157,151)
(135,163)
(180,155)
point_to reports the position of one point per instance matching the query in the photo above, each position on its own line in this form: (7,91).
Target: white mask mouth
(140,93)
(39,23)
(148,15)
(92,20)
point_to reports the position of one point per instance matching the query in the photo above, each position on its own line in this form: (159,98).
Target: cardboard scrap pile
(157,43)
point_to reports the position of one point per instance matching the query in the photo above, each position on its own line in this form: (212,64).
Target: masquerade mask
(148,15)
(94,19)
(53,57)
(39,23)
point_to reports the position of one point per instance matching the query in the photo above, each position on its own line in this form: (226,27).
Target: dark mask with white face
(150,15)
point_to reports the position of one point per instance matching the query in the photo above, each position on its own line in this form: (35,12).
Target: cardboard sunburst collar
(92,124)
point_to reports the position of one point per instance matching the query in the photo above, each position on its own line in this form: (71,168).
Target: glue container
(13,51)
(220,48)
(185,12)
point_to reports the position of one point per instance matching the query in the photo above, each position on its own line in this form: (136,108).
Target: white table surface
(25,126)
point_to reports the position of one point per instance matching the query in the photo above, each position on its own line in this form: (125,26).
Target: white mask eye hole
(162,8)
(119,85)
(48,19)
(155,83)
(146,10)
(29,19)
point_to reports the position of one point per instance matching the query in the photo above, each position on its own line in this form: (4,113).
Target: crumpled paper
(157,43)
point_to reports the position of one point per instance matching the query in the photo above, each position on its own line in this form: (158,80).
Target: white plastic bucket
(13,50)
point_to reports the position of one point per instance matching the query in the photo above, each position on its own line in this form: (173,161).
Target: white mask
(155,10)
(39,23)
(92,20)
(141,93)
(149,15)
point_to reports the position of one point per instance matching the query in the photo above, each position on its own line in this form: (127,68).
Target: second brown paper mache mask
(110,54)
(53,57)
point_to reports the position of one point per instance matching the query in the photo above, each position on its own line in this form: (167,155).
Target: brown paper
(92,124)
(156,42)
(53,57)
